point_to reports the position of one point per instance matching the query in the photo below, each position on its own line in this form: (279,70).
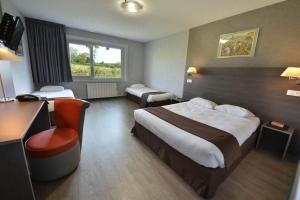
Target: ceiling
(158,19)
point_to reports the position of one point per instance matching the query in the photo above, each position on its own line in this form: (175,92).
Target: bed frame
(203,180)
(138,100)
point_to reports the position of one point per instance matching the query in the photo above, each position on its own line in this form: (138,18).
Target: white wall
(165,62)
(160,64)
(5,72)
(20,71)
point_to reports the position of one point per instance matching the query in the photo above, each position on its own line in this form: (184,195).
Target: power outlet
(189,80)
(293,93)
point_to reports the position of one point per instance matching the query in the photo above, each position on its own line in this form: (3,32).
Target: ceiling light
(132,6)
(7,54)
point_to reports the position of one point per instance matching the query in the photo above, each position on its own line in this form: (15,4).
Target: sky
(102,55)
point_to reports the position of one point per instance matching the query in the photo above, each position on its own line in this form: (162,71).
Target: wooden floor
(117,166)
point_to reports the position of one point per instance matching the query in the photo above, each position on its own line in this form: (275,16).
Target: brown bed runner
(145,97)
(226,142)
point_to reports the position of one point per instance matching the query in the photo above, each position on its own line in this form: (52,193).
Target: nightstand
(289,131)
(177,100)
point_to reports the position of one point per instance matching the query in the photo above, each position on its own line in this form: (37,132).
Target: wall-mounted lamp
(192,70)
(6,54)
(292,73)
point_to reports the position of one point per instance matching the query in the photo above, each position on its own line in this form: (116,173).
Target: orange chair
(55,153)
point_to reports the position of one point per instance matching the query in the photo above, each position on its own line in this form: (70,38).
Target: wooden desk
(18,121)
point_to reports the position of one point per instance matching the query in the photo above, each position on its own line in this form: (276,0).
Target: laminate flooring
(117,166)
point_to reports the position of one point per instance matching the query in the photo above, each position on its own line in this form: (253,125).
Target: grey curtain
(48,52)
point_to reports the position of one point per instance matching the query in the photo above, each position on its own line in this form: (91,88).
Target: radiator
(101,90)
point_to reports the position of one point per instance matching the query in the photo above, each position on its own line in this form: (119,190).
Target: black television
(11,31)
(15,36)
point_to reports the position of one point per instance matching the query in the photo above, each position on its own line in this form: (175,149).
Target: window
(93,61)
(107,62)
(80,60)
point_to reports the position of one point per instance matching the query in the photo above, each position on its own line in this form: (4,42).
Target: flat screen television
(11,31)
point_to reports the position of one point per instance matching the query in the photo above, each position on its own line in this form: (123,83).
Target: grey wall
(20,71)
(278,43)
(165,61)
(135,58)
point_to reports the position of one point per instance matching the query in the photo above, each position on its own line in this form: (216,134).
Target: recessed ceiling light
(131,6)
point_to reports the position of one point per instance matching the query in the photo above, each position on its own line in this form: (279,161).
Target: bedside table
(290,131)
(177,100)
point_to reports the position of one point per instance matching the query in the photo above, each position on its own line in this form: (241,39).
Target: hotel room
(149,99)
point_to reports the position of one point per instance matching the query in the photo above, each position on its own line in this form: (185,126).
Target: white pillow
(198,101)
(235,110)
(52,88)
(137,86)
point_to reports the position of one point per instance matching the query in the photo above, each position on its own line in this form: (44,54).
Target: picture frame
(238,44)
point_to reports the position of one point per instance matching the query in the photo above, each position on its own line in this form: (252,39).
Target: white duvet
(55,94)
(196,148)
(151,98)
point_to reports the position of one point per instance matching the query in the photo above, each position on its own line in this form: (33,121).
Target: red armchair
(55,153)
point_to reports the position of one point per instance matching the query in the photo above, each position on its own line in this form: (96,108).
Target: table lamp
(292,73)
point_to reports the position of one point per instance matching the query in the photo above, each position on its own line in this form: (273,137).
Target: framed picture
(239,44)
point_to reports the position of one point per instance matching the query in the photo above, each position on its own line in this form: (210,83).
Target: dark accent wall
(260,89)
(254,82)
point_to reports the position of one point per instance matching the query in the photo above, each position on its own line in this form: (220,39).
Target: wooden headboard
(259,89)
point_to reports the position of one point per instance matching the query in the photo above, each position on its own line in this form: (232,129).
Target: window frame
(90,44)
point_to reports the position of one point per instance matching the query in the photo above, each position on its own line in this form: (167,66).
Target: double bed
(202,160)
(147,97)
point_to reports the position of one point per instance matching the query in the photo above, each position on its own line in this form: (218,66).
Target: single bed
(198,161)
(51,95)
(146,97)
(53,92)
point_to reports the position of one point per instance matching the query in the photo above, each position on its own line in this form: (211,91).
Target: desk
(18,121)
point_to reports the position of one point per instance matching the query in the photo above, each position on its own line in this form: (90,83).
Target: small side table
(290,131)
(177,100)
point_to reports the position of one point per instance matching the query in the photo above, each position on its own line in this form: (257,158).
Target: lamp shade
(291,72)
(192,70)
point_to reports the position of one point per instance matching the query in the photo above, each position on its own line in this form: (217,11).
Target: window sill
(100,80)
